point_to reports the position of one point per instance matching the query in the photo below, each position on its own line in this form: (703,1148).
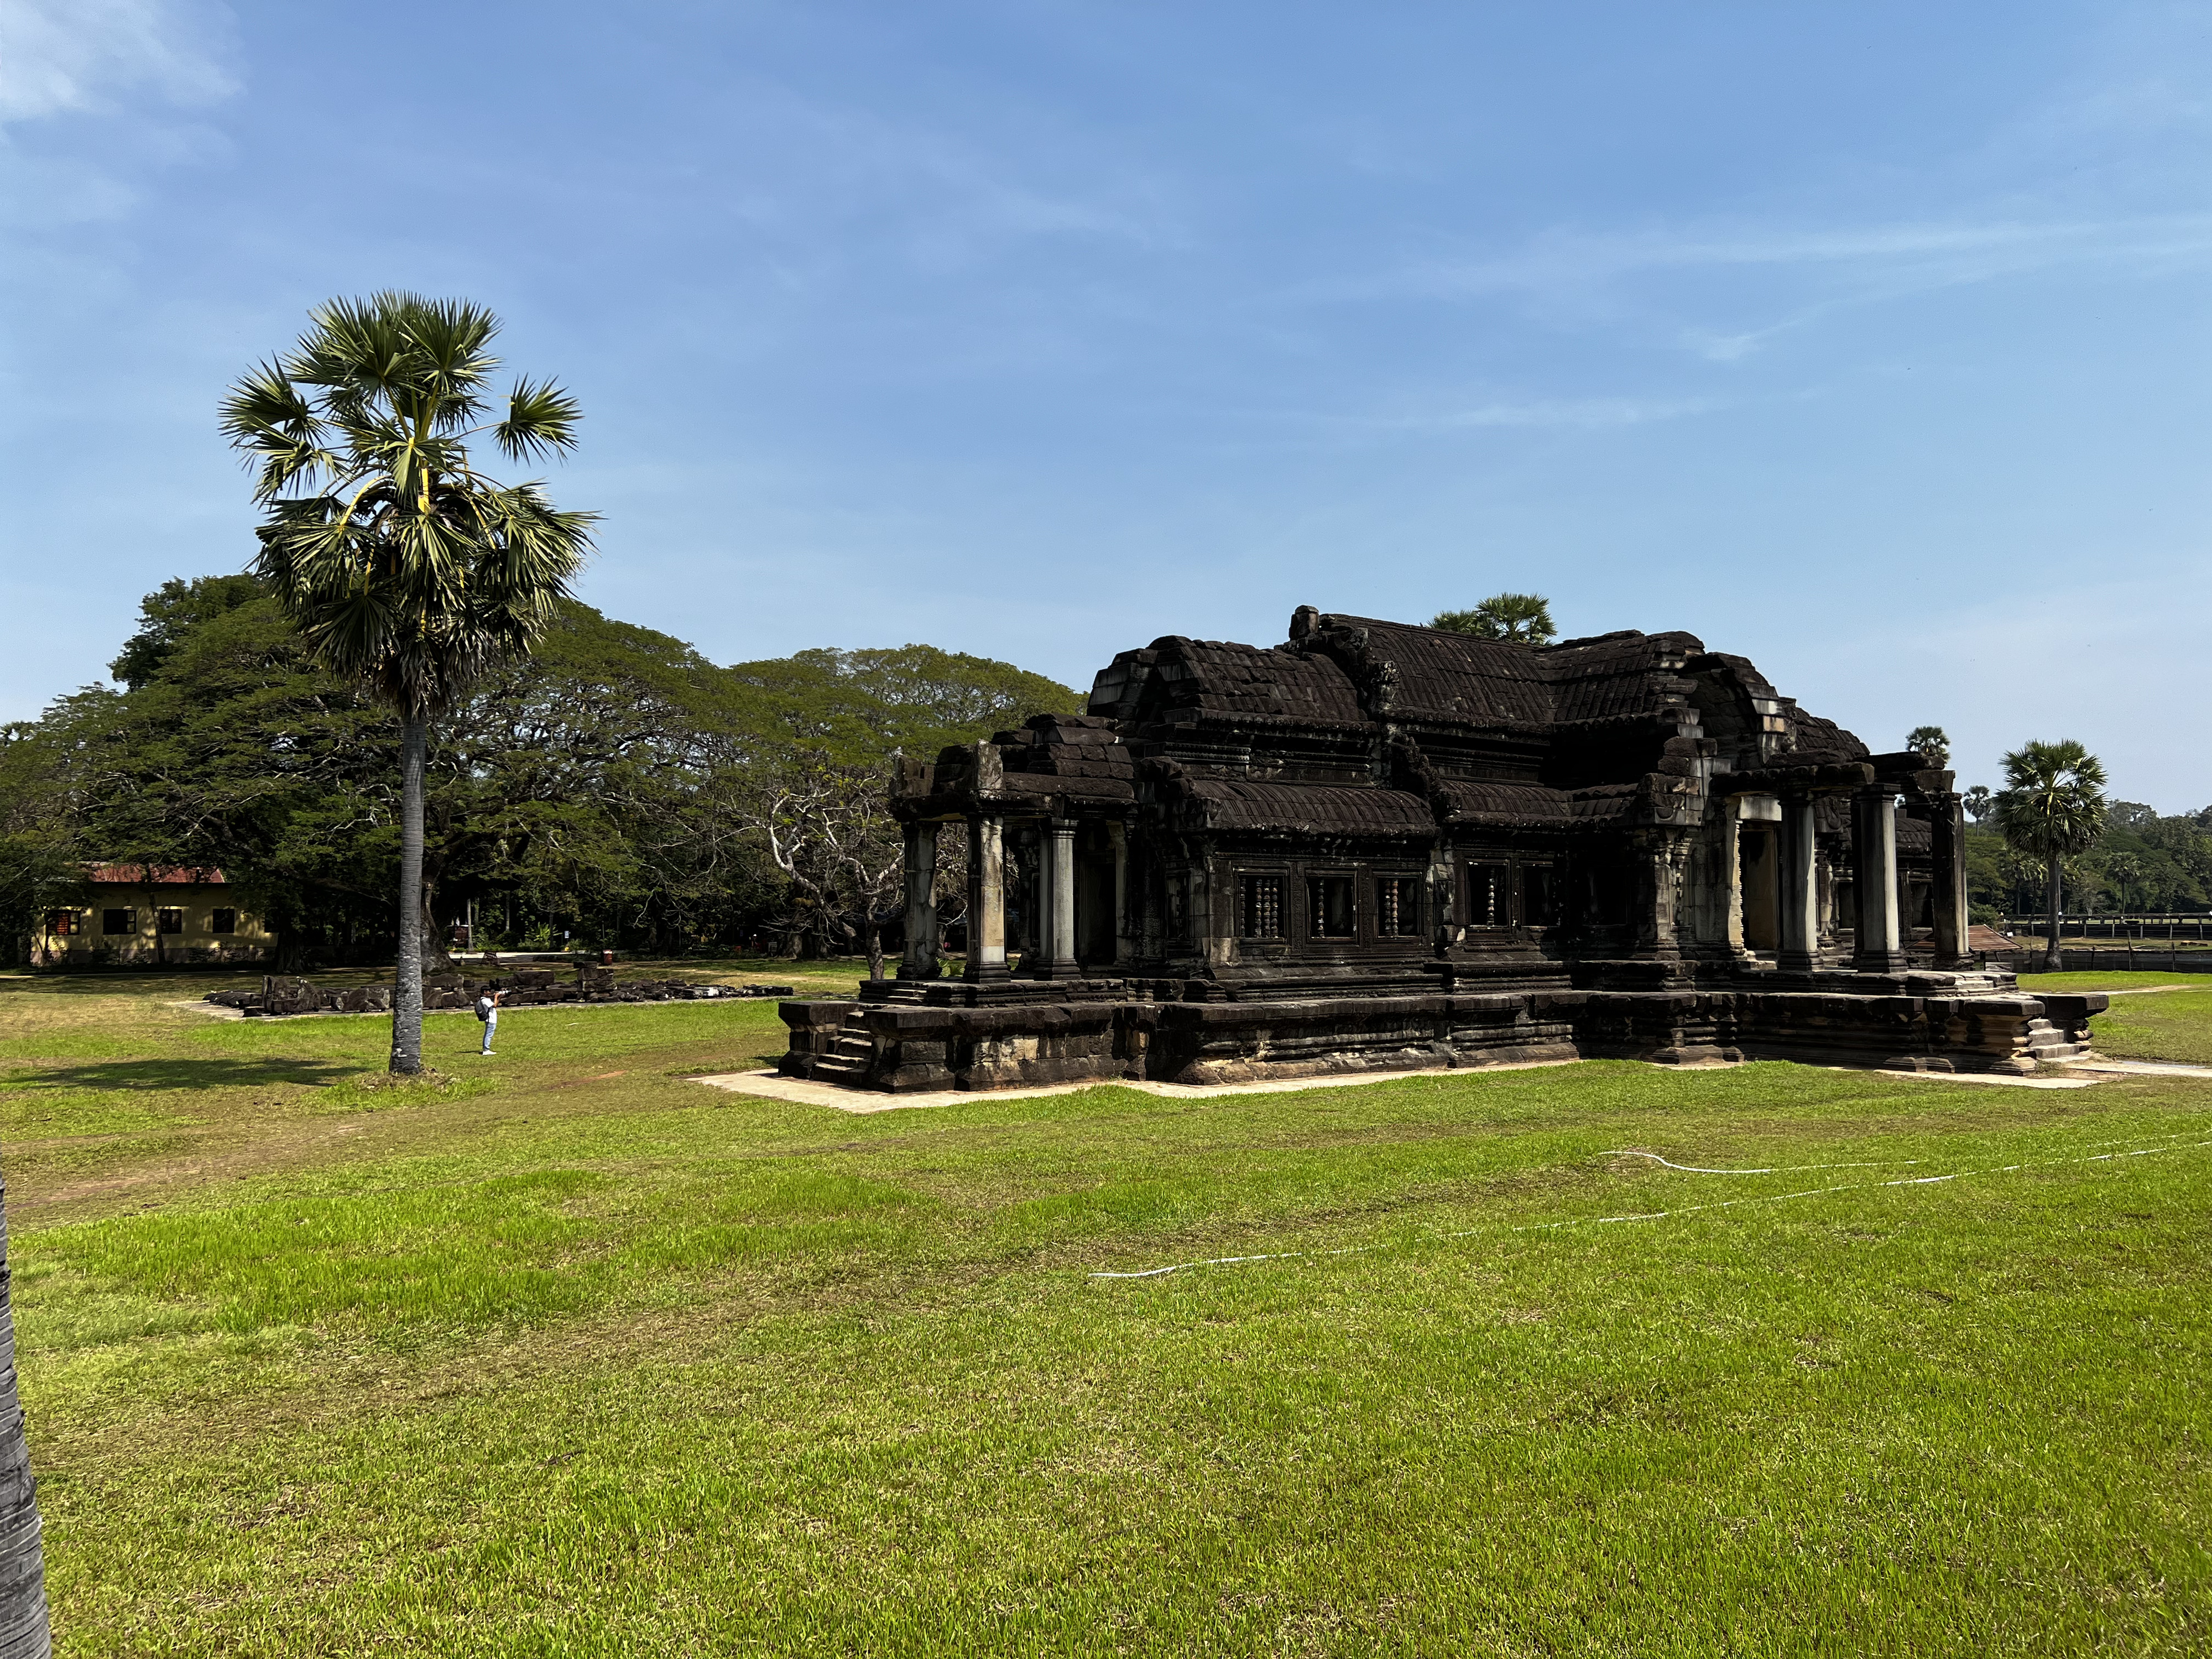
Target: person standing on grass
(487,1012)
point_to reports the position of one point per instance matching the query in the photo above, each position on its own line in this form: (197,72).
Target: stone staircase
(850,1052)
(2043,1043)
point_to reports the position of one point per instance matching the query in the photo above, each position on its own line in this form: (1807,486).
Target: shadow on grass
(151,1074)
(182,982)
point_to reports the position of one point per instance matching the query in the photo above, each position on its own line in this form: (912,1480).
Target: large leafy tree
(565,788)
(1524,616)
(858,707)
(2052,808)
(401,565)
(614,781)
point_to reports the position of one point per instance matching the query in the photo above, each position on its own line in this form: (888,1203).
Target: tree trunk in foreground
(23,1630)
(2054,959)
(407,988)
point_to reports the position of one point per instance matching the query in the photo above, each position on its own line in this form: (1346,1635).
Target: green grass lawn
(571,1355)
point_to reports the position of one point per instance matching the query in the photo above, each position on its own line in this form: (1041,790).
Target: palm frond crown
(1524,616)
(399,563)
(2052,806)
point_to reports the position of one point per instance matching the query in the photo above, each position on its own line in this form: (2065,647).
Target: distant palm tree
(2052,808)
(1524,616)
(1979,802)
(1929,740)
(2125,871)
(397,562)
(23,1628)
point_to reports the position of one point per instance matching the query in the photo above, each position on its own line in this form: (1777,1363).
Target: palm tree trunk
(407,988)
(2054,959)
(23,1562)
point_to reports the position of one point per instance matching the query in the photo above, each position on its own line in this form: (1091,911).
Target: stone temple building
(1380,847)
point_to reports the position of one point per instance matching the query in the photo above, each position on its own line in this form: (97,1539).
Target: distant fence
(2164,928)
(2102,958)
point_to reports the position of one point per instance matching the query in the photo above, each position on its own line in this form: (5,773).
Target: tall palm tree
(1524,616)
(23,1628)
(397,562)
(2052,808)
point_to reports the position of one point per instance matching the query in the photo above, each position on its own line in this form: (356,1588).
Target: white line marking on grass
(1779,1169)
(1663,1215)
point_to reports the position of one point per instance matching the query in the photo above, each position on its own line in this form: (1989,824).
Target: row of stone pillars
(1879,942)
(987,902)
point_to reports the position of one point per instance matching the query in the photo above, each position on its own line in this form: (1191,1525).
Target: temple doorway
(1761,871)
(1095,923)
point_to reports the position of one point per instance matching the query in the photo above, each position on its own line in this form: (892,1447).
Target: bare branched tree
(828,828)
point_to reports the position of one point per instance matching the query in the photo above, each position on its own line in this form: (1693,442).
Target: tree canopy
(1524,616)
(1932,742)
(607,785)
(170,612)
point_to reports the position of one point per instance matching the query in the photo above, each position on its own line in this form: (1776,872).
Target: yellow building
(143,913)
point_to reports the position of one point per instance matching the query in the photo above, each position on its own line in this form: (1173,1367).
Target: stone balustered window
(1260,907)
(1397,907)
(1489,896)
(1329,907)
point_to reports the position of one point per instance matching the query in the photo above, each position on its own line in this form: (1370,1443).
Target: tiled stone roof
(1176,675)
(1532,807)
(1311,809)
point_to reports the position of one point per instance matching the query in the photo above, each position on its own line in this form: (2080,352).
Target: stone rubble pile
(525,987)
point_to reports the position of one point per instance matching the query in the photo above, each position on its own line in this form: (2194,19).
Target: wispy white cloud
(1777,282)
(1581,413)
(68,55)
(946,200)
(1916,253)
(1442,416)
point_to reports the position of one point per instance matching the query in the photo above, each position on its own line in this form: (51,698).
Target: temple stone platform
(898,1037)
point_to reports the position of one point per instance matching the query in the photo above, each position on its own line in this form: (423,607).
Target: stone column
(1730,896)
(986,901)
(1799,930)
(1947,824)
(1874,881)
(1660,862)
(1118,836)
(920,958)
(1056,903)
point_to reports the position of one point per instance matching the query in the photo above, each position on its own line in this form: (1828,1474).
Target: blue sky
(1868,341)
